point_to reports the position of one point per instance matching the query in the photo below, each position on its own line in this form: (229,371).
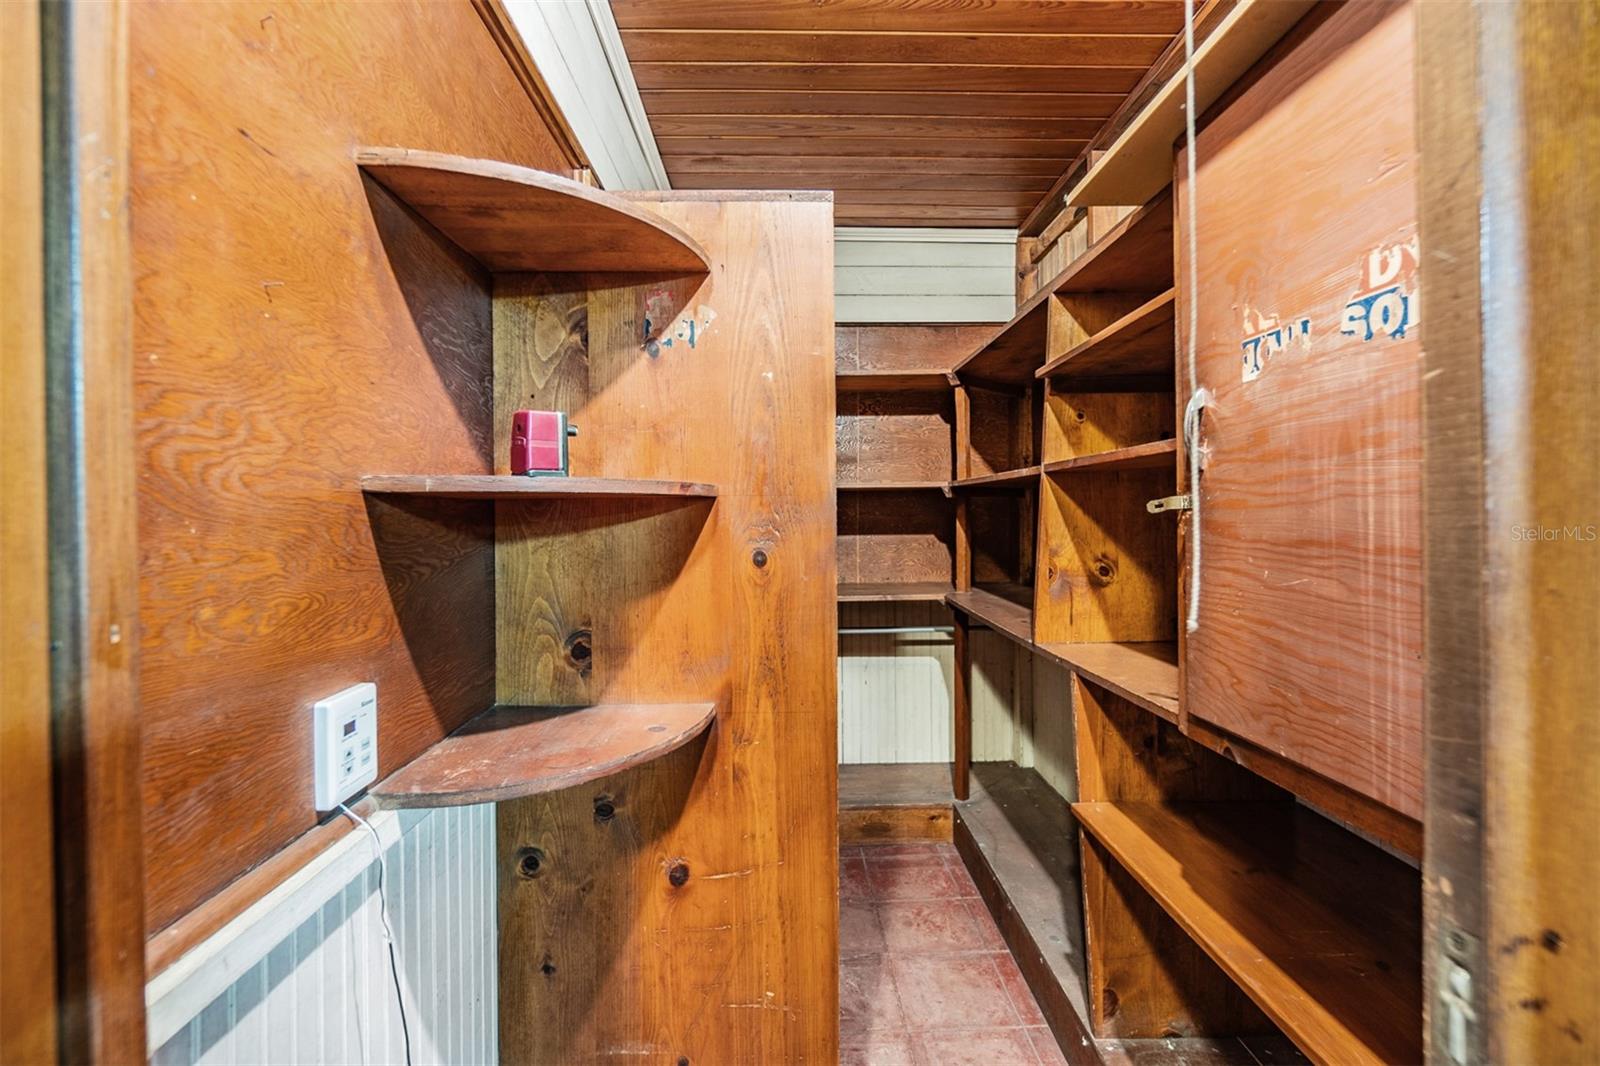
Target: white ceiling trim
(578,50)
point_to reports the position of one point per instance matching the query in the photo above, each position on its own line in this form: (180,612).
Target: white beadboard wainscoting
(303,976)
(895,695)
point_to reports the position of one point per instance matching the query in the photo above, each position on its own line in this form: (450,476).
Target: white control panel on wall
(345,728)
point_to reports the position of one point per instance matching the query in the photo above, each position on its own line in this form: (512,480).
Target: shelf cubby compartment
(893,591)
(516,219)
(514,487)
(1319,928)
(1128,268)
(1135,349)
(508,753)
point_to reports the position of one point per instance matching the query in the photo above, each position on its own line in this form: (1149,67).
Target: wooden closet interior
(1251,591)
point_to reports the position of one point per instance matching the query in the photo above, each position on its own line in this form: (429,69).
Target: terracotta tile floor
(925,979)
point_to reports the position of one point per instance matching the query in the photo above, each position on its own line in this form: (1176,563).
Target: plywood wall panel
(697,919)
(1310,635)
(293,331)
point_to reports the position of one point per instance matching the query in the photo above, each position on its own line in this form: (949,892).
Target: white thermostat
(345,728)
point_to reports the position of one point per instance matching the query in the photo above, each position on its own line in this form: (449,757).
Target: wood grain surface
(1265,890)
(27,883)
(1310,635)
(296,328)
(726,849)
(513,218)
(508,753)
(510,487)
(824,89)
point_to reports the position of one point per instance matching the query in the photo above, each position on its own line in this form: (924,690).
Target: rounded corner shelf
(515,219)
(509,753)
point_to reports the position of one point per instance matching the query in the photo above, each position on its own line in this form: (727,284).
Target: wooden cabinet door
(1309,640)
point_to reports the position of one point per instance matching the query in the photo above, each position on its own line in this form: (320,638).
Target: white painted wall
(576,46)
(911,274)
(895,696)
(303,976)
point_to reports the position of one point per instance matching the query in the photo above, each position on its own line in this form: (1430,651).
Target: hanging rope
(1199,397)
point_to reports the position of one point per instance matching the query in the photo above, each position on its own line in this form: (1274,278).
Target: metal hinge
(1170,503)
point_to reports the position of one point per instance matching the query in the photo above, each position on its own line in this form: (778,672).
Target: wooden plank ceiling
(916,112)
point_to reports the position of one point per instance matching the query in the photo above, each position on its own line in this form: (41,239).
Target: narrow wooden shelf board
(893,486)
(1135,256)
(1267,892)
(513,487)
(1145,674)
(1152,456)
(506,753)
(893,591)
(1020,478)
(1139,162)
(513,218)
(1140,344)
(891,380)
(1000,611)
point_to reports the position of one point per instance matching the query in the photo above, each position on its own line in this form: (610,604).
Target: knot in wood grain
(604,809)
(759,557)
(678,874)
(579,647)
(1105,571)
(529,862)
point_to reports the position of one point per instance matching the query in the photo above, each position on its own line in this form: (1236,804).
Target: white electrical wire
(1199,396)
(388,931)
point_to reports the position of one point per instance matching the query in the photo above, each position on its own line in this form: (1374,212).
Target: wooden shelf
(1139,162)
(513,218)
(1153,456)
(1020,478)
(1139,345)
(1319,928)
(1006,609)
(893,591)
(1135,256)
(1145,674)
(891,380)
(514,487)
(510,752)
(893,486)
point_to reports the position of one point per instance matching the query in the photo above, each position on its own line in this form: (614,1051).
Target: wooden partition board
(1310,628)
(901,435)
(698,920)
(897,348)
(294,328)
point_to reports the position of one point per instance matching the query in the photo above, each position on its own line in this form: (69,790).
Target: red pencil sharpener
(539,443)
